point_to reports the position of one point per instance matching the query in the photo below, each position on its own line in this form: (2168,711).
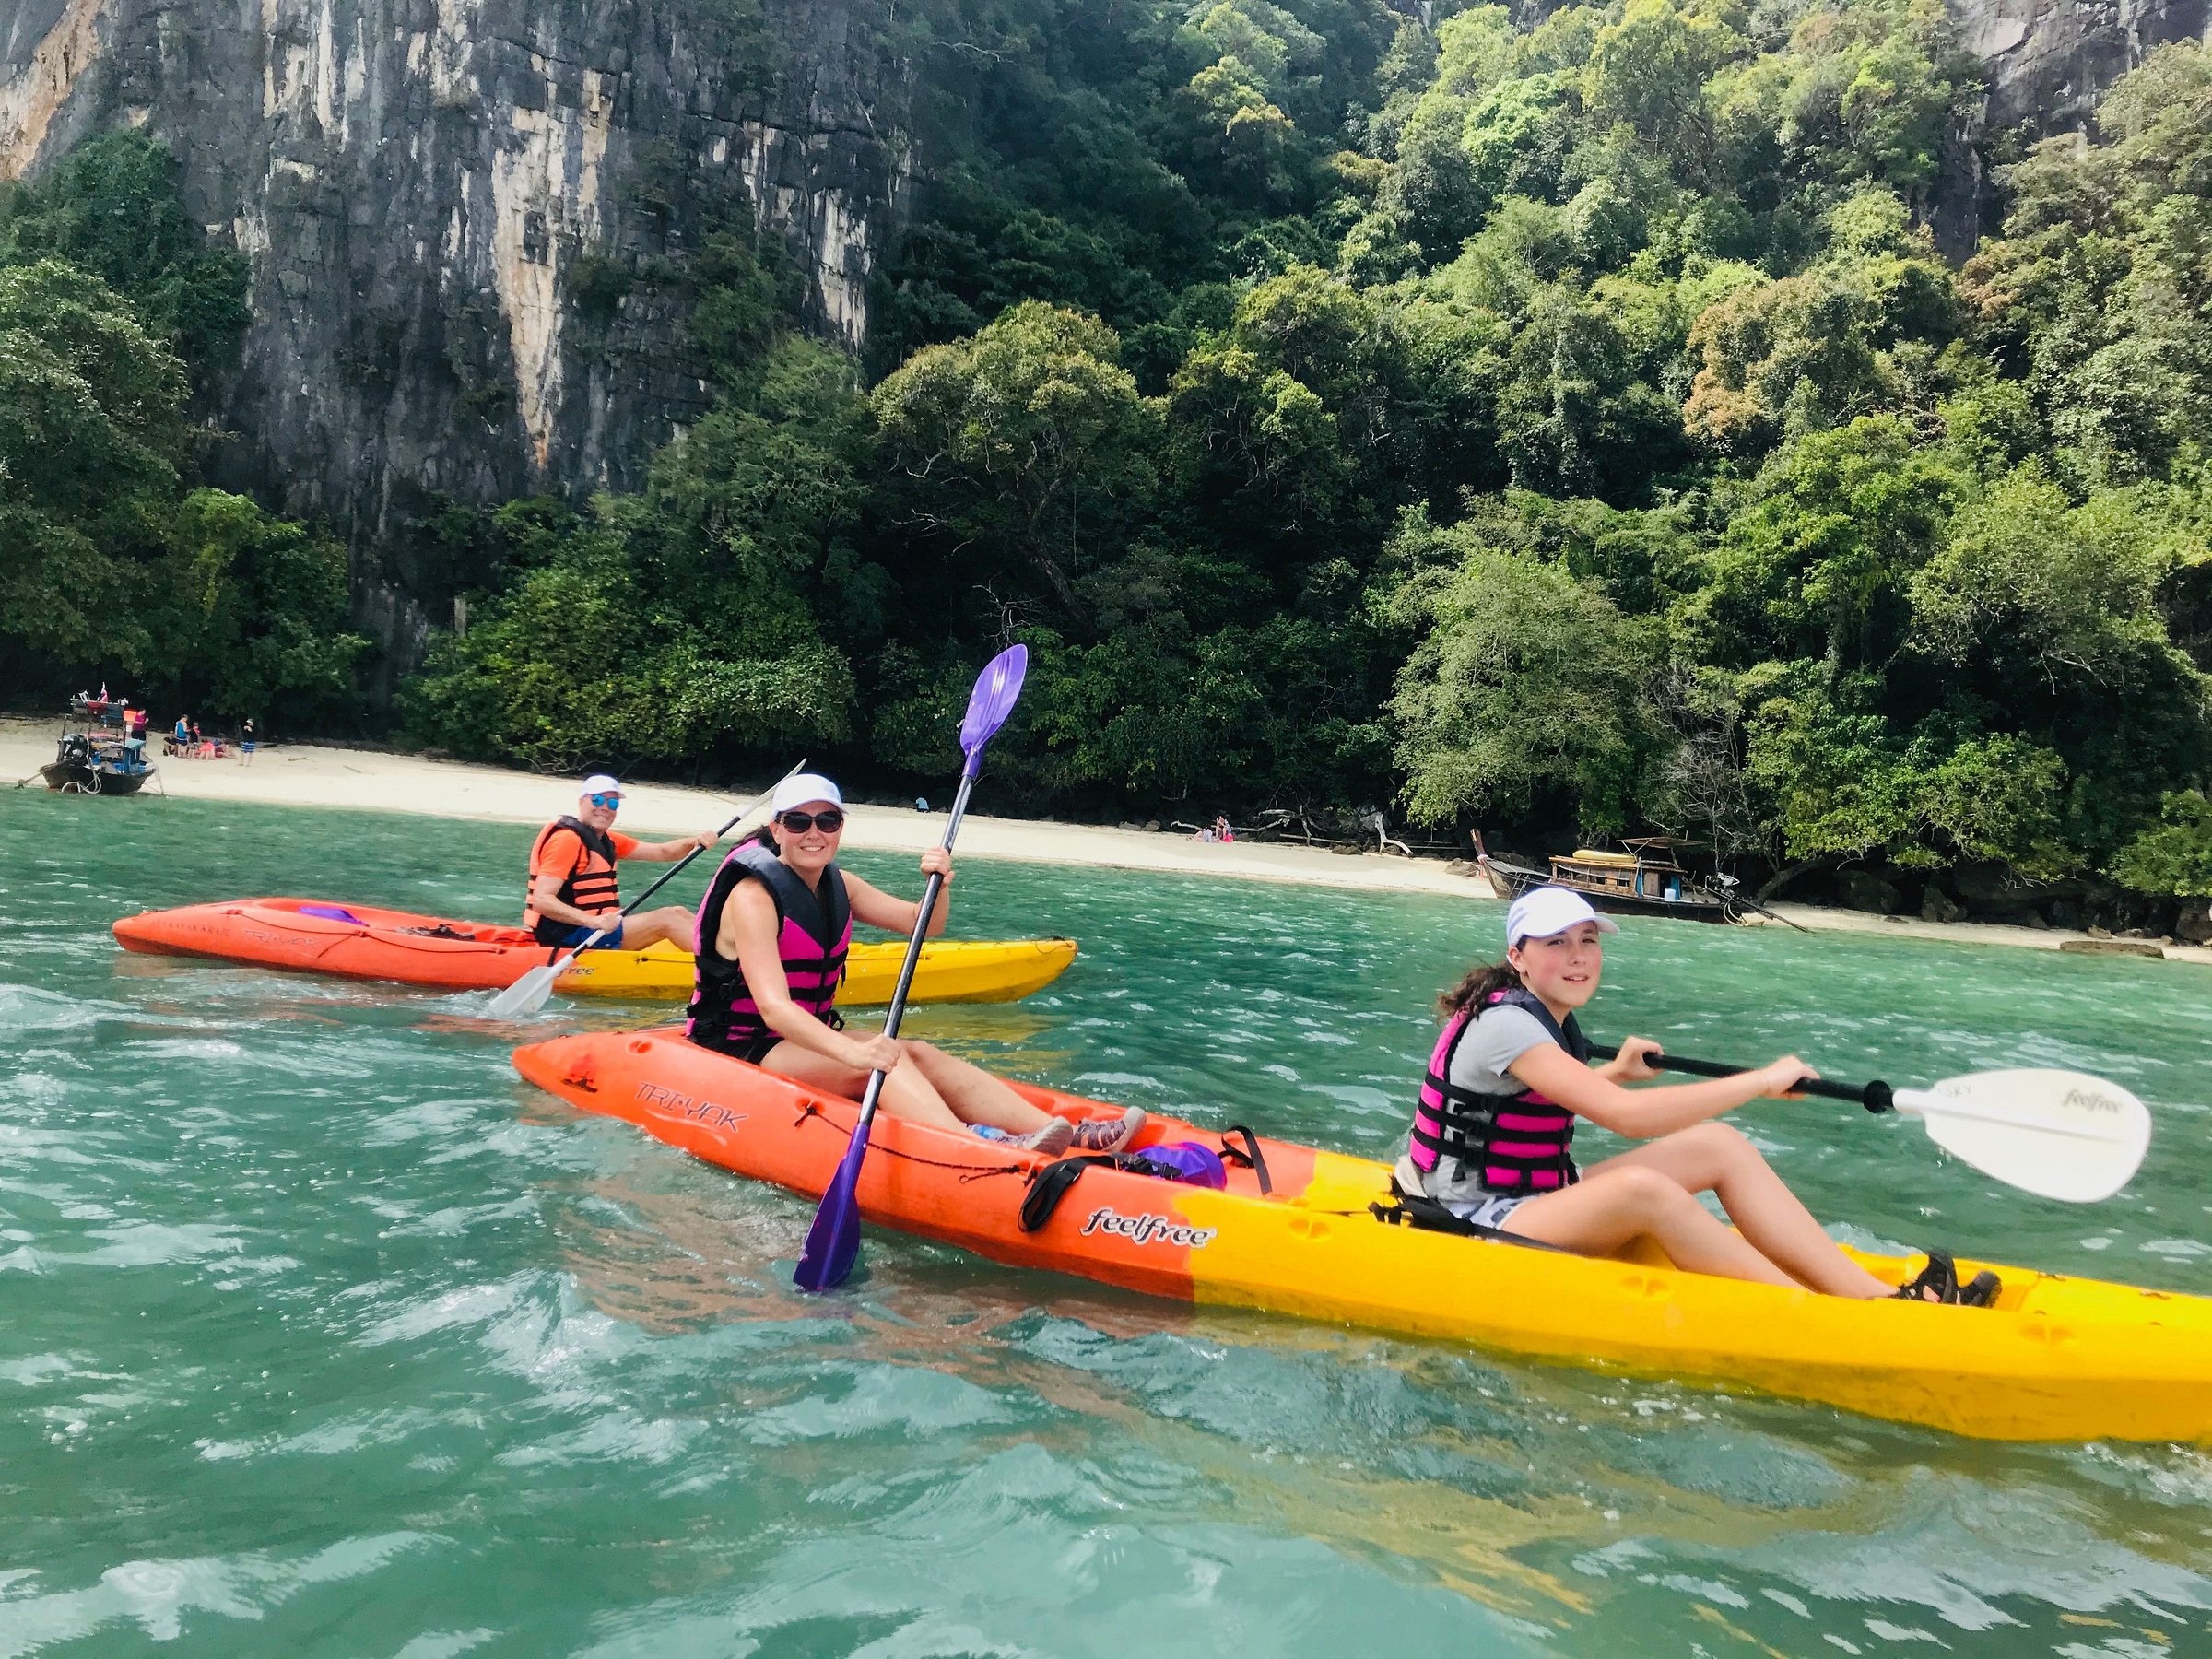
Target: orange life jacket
(592,886)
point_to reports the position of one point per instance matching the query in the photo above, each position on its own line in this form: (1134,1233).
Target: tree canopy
(1572,427)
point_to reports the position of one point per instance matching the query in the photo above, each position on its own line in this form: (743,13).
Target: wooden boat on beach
(86,765)
(1644,879)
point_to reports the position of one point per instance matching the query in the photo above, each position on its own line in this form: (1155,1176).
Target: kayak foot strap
(1419,1210)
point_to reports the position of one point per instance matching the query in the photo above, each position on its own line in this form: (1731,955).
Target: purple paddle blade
(834,1242)
(992,700)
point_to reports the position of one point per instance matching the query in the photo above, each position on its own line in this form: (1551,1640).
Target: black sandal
(1941,1275)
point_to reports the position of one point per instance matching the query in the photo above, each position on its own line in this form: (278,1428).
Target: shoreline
(362,780)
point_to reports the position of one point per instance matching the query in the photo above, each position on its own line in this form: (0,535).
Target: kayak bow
(359,941)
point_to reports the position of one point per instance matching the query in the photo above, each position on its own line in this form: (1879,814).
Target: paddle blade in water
(992,700)
(527,995)
(2057,1134)
(834,1242)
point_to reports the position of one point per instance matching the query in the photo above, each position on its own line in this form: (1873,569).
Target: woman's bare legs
(906,1092)
(973,1093)
(1717,1158)
(1615,1203)
(932,1088)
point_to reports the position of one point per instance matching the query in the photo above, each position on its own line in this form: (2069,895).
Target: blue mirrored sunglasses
(612,803)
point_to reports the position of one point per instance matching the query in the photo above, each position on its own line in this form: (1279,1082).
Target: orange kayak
(359,941)
(2057,1358)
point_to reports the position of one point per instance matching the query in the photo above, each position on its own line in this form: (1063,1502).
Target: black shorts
(751,1050)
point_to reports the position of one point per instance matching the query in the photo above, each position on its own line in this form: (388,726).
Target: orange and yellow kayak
(359,941)
(2058,1359)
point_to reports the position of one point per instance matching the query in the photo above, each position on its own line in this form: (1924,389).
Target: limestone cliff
(467,219)
(2050,60)
(464,219)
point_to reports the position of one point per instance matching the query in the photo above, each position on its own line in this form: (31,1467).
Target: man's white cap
(802,787)
(1542,911)
(600,784)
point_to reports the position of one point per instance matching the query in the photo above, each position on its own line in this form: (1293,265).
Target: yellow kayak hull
(951,970)
(2057,1358)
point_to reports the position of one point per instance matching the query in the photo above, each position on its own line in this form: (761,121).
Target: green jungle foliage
(108,555)
(1571,427)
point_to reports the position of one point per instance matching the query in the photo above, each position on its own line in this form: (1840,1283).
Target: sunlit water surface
(320,1333)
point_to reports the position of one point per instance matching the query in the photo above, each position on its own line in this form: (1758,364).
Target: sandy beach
(311,775)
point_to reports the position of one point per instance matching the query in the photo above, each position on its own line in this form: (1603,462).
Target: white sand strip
(309,775)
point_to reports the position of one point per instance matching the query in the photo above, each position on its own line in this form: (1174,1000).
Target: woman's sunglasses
(798,823)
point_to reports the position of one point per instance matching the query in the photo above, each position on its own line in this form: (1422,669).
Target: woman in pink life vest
(773,932)
(1511,1073)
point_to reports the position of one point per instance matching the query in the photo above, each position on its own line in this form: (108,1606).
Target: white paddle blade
(527,995)
(2056,1134)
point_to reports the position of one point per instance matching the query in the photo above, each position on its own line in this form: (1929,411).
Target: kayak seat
(1419,1210)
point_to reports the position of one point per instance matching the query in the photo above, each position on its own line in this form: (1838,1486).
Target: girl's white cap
(802,787)
(1542,911)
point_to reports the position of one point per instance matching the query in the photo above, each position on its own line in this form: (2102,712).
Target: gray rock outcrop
(465,221)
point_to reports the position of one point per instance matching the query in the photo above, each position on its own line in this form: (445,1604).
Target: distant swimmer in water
(574,889)
(774,930)
(1512,1072)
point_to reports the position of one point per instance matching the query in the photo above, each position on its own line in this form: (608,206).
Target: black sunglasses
(798,823)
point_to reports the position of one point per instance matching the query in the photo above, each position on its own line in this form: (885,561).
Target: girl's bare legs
(932,1088)
(1618,1201)
(1714,1157)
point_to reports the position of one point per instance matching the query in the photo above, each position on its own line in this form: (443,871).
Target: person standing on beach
(246,744)
(575,891)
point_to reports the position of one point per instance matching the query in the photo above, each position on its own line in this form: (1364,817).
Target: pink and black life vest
(1511,1142)
(813,935)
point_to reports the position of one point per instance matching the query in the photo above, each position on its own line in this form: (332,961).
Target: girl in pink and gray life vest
(773,932)
(1493,1130)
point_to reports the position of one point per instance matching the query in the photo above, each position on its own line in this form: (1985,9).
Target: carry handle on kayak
(1249,1156)
(1877,1096)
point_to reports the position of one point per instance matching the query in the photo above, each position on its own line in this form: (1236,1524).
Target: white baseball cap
(802,787)
(1542,911)
(600,784)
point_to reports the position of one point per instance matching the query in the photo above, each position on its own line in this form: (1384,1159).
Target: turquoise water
(320,1333)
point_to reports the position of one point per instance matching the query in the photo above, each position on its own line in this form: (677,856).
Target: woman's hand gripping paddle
(834,1242)
(2056,1134)
(528,994)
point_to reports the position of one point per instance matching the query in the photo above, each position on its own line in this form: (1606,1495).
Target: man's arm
(668,852)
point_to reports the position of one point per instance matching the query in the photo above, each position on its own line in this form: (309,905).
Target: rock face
(2048,61)
(2051,60)
(463,216)
(467,221)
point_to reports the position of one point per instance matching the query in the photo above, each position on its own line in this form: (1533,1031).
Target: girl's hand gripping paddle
(834,1242)
(2056,1134)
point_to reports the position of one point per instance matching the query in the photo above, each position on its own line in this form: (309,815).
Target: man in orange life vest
(573,881)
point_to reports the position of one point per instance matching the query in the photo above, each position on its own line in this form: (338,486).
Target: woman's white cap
(802,787)
(1542,911)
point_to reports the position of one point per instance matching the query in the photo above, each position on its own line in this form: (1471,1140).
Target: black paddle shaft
(930,890)
(669,876)
(1875,1096)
